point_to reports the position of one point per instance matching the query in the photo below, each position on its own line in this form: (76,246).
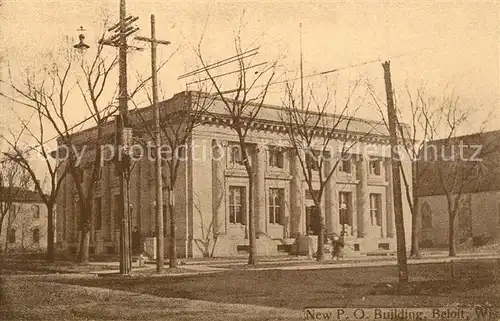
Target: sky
(440,46)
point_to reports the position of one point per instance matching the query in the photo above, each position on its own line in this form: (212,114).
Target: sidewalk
(187,268)
(381,262)
(215,265)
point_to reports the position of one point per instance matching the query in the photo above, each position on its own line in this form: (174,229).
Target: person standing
(337,246)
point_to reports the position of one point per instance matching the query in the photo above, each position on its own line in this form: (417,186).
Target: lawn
(473,282)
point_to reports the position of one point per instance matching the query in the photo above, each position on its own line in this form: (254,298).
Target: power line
(334,70)
(250,53)
(225,74)
(57,136)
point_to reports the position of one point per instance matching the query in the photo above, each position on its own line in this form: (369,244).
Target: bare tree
(47,94)
(177,125)
(414,135)
(23,157)
(457,168)
(242,106)
(13,183)
(208,241)
(312,128)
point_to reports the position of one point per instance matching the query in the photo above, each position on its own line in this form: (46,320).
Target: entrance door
(313,223)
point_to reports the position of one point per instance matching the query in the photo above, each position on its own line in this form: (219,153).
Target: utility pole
(122,30)
(159,185)
(396,180)
(301,72)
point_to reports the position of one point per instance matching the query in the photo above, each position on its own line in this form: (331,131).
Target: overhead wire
(55,137)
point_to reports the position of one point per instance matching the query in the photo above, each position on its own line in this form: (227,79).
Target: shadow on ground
(472,282)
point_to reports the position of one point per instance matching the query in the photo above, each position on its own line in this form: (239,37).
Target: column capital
(220,142)
(261,148)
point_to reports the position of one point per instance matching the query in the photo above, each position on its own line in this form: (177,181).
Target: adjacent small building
(468,166)
(211,195)
(25,225)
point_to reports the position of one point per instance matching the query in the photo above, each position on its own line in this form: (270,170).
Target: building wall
(201,198)
(24,221)
(483,209)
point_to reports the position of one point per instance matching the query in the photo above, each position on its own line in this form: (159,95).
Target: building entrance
(313,223)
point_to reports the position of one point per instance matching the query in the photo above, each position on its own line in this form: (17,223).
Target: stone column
(218,182)
(260,189)
(331,201)
(297,213)
(363,197)
(389,201)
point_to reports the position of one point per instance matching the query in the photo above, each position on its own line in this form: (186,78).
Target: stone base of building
(369,244)
(227,246)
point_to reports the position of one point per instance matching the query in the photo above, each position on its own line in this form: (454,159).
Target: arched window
(426,213)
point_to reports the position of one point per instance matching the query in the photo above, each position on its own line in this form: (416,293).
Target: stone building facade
(211,191)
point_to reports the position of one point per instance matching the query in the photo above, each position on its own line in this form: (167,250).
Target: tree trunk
(83,255)
(415,230)
(252,250)
(9,225)
(452,251)
(173,238)
(6,236)
(415,211)
(321,236)
(50,233)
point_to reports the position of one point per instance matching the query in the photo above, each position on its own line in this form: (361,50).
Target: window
(12,236)
(235,155)
(36,236)
(35,209)
(375,167)
(344,207)
(98,213)
(375,209)
(236,204)
(275,157)
(345,166)
(426,213)
(312,161)
(180,152)
(276,208)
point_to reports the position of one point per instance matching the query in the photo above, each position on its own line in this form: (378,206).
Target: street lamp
(81,46)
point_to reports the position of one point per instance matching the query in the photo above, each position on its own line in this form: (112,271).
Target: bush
(481,240)
(426,243)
